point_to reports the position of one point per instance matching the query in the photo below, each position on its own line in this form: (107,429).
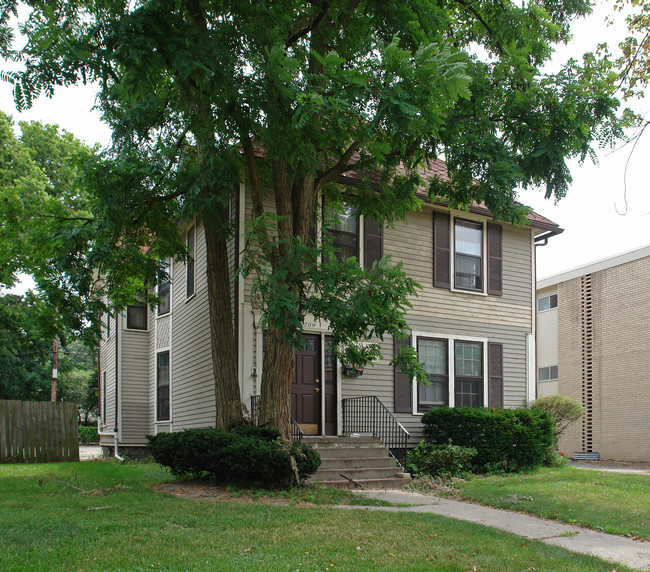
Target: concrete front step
(394,483)
(355,462)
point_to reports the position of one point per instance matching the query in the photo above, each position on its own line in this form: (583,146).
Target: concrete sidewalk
(618,549)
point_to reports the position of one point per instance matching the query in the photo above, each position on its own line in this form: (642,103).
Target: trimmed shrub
(506,440)
(248,430)
(239,456)
(440,460)
(88,434)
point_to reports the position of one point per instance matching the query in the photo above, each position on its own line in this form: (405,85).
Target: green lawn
(48,523)
(611,502)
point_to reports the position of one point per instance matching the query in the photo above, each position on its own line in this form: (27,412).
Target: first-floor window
(548,373)
(433,354)
(104,398)
(454,367)
(469,374)
(162,386)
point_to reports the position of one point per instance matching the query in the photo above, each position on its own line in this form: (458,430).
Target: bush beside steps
(243,455)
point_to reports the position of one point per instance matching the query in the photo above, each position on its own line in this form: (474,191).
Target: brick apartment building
(593,344)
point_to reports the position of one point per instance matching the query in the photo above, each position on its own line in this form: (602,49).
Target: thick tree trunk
(275,401)
(222,333)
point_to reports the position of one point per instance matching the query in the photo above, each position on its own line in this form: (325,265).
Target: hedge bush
(88,434)
(506,440)
(242,455)
(440,460)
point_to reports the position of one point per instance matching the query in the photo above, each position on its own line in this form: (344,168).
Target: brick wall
(619,420)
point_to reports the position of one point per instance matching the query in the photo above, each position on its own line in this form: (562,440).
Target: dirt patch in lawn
(611,463)
(202,490)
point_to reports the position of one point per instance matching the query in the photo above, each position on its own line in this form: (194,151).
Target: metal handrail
(296,432)
(368,414)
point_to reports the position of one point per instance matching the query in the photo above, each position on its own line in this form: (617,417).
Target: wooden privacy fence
(38,432)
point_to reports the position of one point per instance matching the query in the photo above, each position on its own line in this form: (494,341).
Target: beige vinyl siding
(192,381)
(412,243)
(107,364)
(135,410)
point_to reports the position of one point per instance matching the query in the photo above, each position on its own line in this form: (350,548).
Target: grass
(610,502)
(107,516)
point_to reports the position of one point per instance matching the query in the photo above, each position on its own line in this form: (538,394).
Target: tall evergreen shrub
(508,440)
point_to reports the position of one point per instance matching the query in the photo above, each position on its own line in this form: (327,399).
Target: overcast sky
(605,212)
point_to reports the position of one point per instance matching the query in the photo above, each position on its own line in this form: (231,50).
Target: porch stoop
(363,460)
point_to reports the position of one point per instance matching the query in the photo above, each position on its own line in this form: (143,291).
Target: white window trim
(452,263)
(171,409)
(451,365)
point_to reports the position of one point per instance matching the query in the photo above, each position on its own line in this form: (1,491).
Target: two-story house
(472,323)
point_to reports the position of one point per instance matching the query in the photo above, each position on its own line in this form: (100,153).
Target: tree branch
(489,30)
(341,166)
(307,29)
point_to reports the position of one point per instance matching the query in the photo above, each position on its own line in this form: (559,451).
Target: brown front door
(306,386)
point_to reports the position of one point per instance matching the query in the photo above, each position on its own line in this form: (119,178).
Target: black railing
(369,415)
(296,432)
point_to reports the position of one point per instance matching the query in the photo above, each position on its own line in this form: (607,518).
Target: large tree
(295,97)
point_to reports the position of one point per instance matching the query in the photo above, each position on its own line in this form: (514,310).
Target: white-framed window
(190,242)
(547,373)
(164,291)
(344,230)
(456,368)
(547,303)
(103,398)
(162,386)
(354,235)
(136,315)
(468,255)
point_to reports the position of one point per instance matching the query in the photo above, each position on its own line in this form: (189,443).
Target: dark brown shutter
(403,393)
(495,260)
(373,242)
(495,374)
(441,250)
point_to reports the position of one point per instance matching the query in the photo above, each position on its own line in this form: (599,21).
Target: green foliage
(240,456)
(200,97)
(440,460)
(25,350)
(88,434)
(506,440)
(563,410)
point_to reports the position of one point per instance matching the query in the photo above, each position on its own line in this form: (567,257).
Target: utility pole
(55,368)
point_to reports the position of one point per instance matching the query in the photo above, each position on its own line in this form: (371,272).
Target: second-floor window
(354,236)
(547,303)
(467,255)
(136,316)
(164,292)
(189,269)
(468,250)
(344,230)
